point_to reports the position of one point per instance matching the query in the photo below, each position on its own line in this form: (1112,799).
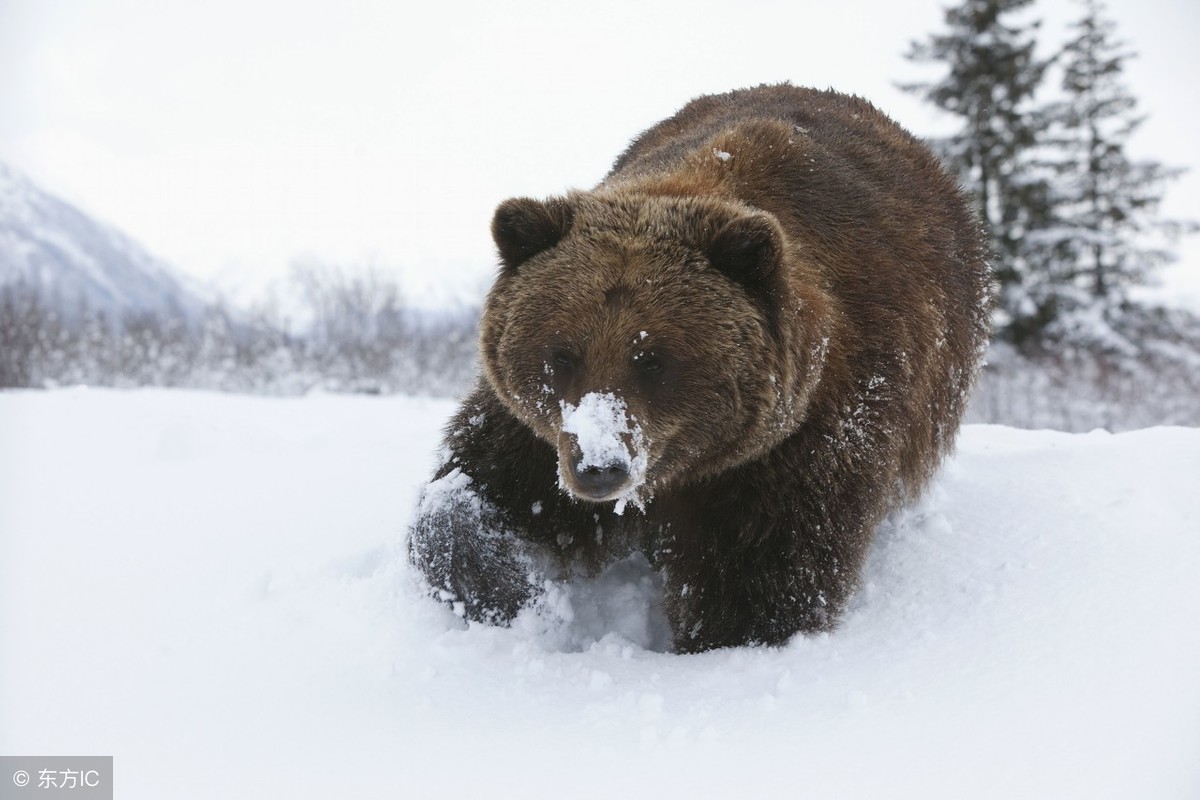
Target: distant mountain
(49,244)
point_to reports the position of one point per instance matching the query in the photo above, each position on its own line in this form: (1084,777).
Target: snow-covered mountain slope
(210,589)
(55,247)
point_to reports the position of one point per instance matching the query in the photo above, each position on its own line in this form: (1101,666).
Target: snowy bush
(1139,370)
(360,338)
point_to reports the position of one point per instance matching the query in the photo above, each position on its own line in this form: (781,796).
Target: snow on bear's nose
(608,453)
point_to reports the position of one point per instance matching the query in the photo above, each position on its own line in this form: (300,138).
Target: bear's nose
(600,482)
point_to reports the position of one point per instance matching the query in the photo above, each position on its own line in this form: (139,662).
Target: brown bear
(750,341)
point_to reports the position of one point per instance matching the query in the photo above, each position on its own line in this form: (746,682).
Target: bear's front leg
(490,526)
(742,570)
(470,555)
(739,599)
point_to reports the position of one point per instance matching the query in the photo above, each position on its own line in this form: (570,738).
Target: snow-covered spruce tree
(1107,235)
(993,75)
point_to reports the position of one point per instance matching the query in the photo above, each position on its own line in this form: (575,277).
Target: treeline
(341,333)
(1042,145)
(1147,376)
(357,335)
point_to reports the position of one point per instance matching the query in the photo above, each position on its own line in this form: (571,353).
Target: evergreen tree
(1106,238)
(993,76)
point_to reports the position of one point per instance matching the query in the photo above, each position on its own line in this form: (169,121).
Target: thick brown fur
(811,292)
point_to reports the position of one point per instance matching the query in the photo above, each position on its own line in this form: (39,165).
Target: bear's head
(651,340)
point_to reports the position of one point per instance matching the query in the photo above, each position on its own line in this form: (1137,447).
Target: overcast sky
(231,136)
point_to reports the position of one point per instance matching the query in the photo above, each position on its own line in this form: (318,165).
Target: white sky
(231,137)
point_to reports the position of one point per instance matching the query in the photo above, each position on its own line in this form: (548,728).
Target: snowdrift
(212,590)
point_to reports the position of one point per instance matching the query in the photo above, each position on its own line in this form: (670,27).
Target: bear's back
(839,122)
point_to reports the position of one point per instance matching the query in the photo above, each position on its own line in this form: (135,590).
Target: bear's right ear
(522,228)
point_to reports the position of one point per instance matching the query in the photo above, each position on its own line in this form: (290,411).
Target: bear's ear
(522,228)
(749,250)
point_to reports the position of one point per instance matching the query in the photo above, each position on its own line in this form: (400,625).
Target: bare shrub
(354,334)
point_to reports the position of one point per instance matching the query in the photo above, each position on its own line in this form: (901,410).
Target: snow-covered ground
(211,589)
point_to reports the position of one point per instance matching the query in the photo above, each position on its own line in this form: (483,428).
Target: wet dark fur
(818,303)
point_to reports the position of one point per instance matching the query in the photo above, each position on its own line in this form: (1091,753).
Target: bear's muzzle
(597,483)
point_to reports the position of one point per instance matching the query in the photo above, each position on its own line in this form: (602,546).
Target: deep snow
(211,589)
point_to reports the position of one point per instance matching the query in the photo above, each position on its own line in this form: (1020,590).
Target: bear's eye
(648,363)
(562,359)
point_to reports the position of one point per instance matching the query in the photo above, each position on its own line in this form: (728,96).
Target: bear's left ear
(749,250)
(523,227)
